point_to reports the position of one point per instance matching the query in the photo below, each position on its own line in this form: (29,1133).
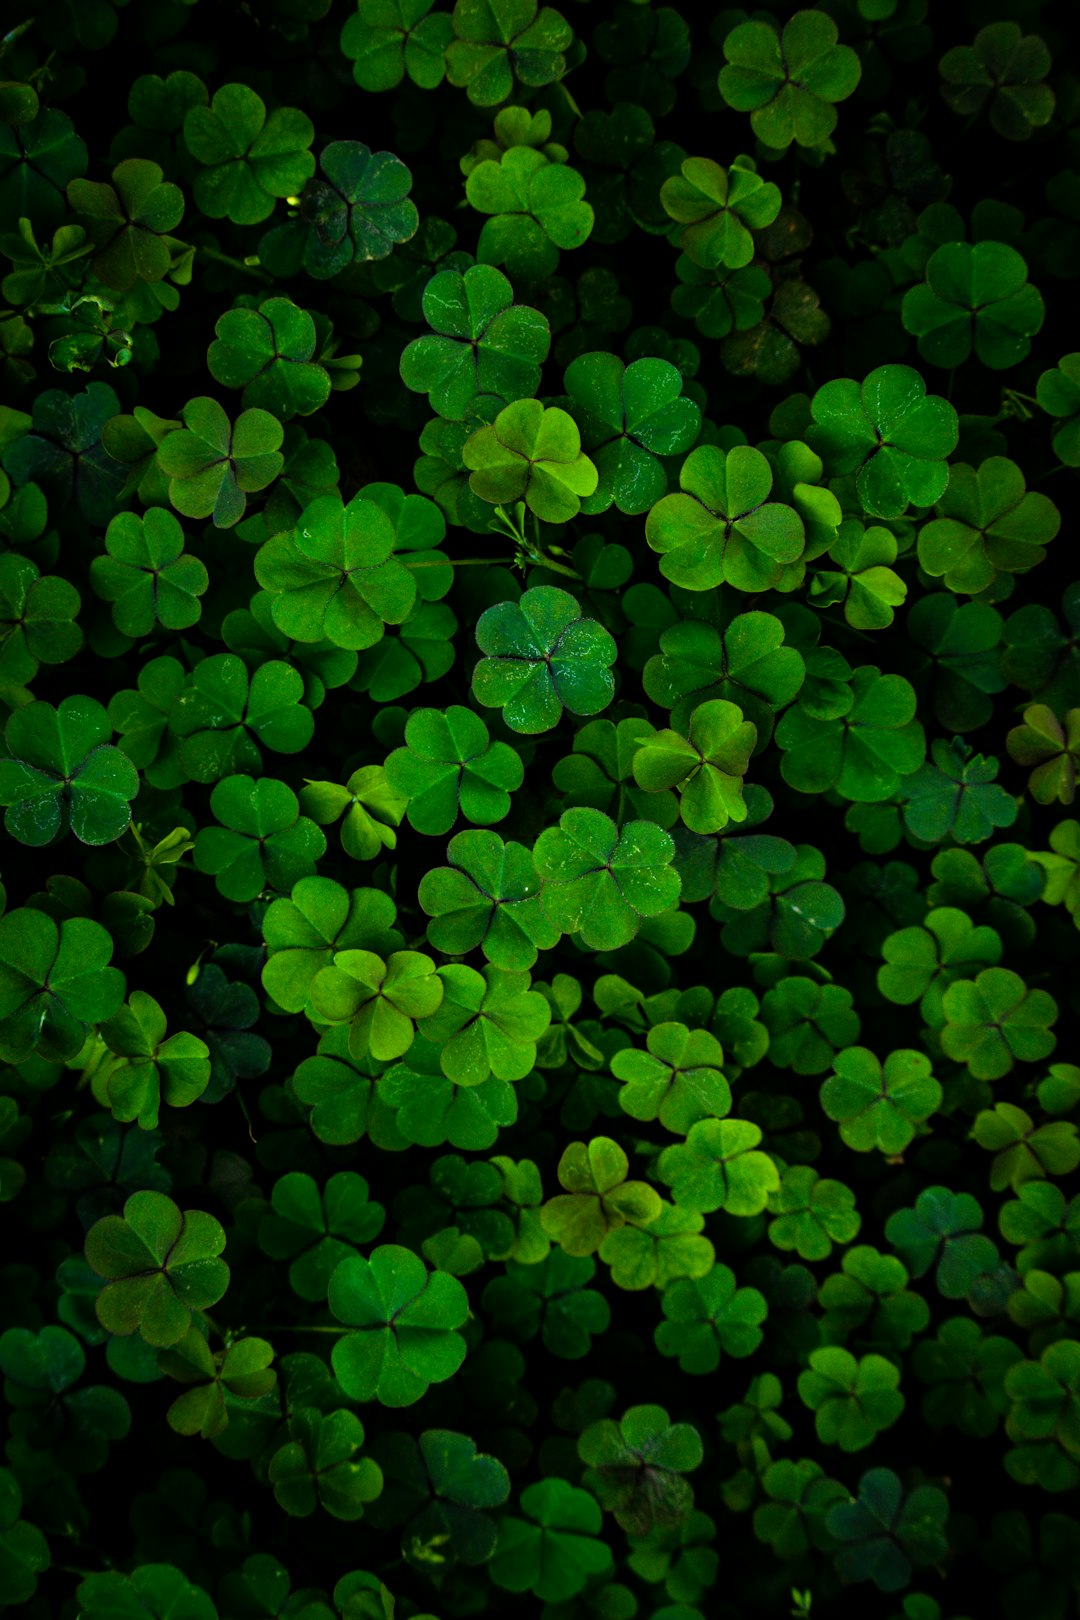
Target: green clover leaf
(863,752)
(221,716)
(811,1213)
(1003,70)
(55,982)
(379,1000)
(147,575)
(450,767)
(634,1467)
(359,210)
(943,1230)
(678,1080)
(555,1552)
(431,1108)
(669,1247)
(498,40)
(629,417)
(719,1167)
(975,296)
(956,796)
(853,1398)
(1052,747)
(147,1068)
(1058,394)
(303,932)
(723,528)
(132,219)
(37,619)
(320,1466)
(537,208)
(747,664)
(886,1530)
(710,1317)
(598,1199)
(243,1372)
(890,433)
(988,523)
(263,840)
(994,1021)
(542,655)
(1044,1418)
(489,896)
(247,159)
(807,1023)
(706,766)
(406,1321)
(718,209)
(488,1023)
(160,1264)
(531,453)
(58,770)
(315,1229)
(879,1105)
(864,582)
(269,353)
(602,881)
(387,39)
(482,344)
(921,961)
(789,82)
(213,465)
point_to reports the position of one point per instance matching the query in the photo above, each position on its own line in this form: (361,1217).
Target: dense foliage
(540,726)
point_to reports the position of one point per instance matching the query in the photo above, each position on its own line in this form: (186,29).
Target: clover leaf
(709,1317)
(807,1023)
(975,296)
(1058,394)
(316,1228)
(147,575)
(360,209)
(629,417)
(542,655)
(531,453)
(132,219)
(602,881)
(853,1398)
(55,981)
(321,917)
(37,620)
(706,766)
(489,896)
(387,39)
(671,1246)
(956,796)
(556,1550)
(1052,748)
(537,208)
(160,1264)
(24,1551)
(242,1372)
(634,1467)
(320,1466)
(1044,1418)
(380,1001)
(719,1167)
(405,1321)
(146,1068)
(59,771)
(887,1530)
(864,582)
(789,81)
(221,716)
(718,209)
(747,664)
(943,1230)
(482,343)
(450,767)
(247,158)
(598,1199)
(890,433)
(1003,70)
(367,806)
(863,752)
(346,1102)
(337,575)
(723,528)
(987,523)
(487,1024)
(811,1213)
(263,840)
(431,1108)
(498,40)
(994,1021)
(678,1080)
(213,465)
(879,1105)
(440,1486)
(269,353)
(922,960)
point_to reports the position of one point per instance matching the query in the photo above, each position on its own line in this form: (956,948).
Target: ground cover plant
(540,723)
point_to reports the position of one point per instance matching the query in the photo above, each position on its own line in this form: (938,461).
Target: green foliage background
(541,714)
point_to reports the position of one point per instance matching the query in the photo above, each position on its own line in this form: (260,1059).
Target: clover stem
(570,102)
(292,1327)
(235,264)
(247,1117)
(1058,467)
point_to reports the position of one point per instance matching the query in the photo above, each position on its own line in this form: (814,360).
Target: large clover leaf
(537,207)
(709,1317)
(450,767)
(405,1321)
(598,1199)
(489,896)
(789,82)
(723,528)
(719,1166)
(987,523)
(213,465)
(879,1105)
(357,209)
(534,454)
(487,1024)
(994,1021)
(147,1068)
(975,296)
(248,159)
(222,716)
(706,766)
(542,655)
(131,221)
(497,40)
(262,841)
(890,433)
(864,752)
(556,1550)
(380,1001)
(601,881)
(336,576)
(160,1265)
(58,770)
(55,982)
(147,575)
(678,1080)
(634,1467)
(629,416)
(747,664)
(269,353)
(321,917)
(482,343)
(718,209)
(1003,70)
(385,39)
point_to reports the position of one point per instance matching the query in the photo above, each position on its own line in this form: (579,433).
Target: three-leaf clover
(269,353)
(556,1550)
(405,1321)
(380,1001)
(634,1467)
(222,716)
(629,417)
(975,296)
(879,1105)
(678,1080)
(241,1372)
(532,453)
(387,39)
(488,1023)
(147,1068)
(537,208)
(132,219)
(315,1229)
(359,209)
(994,1021)
(887,1530)
(55,981)
(1003,69)
(789,81)
(853,1398)
(542,655)
(865,750)
(718,208)
(147,575)
(489,896)
(160,1264)
(262,840)
(706,766)
(602,881)
(496,40)
(598,1199)
(320,1465)
(449,766)
(986,523)
(707,1317)
(248,159)
(213,465)
(1052,748)
(482,344)
(890,433)
(59,770)
(720,1166)
(723,528)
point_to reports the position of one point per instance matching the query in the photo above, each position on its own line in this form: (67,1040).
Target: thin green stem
(236,264)
(570,102)
(289,1327)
